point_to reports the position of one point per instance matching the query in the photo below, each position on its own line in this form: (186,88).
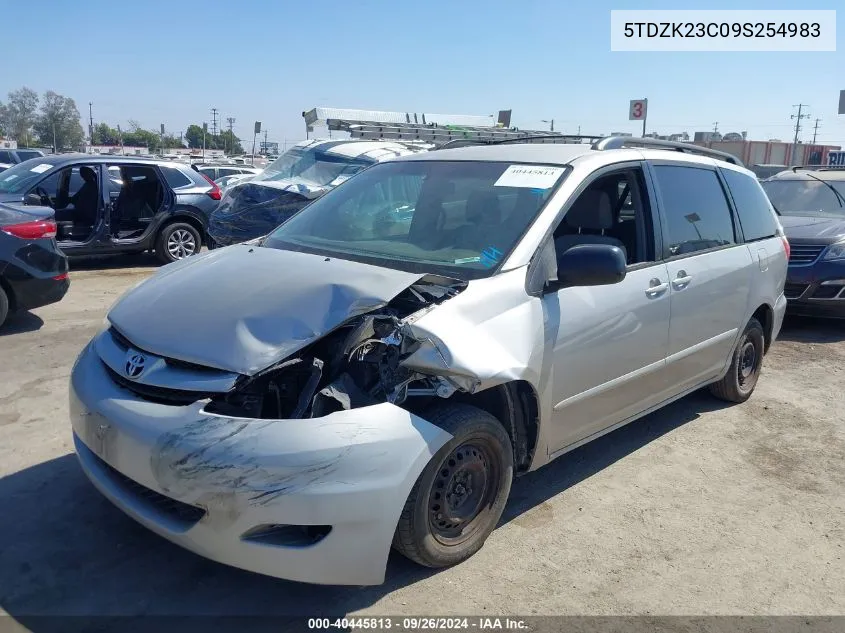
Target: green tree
(105,135)
(231,143)
(194,136)
(18,116)
(58,122)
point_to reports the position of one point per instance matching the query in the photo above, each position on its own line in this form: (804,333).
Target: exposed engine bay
(359,363)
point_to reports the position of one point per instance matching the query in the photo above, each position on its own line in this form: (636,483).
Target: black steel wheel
(459,498)
(738,384)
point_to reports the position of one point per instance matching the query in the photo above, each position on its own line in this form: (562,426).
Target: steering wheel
(45,197)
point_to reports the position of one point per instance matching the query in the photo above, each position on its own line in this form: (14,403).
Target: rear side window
(752,206)
(6,157)
(175,178)
(697,213)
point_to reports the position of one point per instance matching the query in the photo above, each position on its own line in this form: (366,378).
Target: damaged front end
(360,363)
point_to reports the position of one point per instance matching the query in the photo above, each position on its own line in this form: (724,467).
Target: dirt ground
(697,509)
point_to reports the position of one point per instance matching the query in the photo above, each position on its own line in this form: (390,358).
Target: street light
(551,123)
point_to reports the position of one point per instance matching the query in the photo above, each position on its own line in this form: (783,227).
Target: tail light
(214,194)
(31,230)
(786,246)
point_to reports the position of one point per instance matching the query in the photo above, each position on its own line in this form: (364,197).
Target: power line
(213,121)
(231,121)
(797,118)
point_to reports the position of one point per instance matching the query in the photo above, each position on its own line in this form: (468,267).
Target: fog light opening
(282,535)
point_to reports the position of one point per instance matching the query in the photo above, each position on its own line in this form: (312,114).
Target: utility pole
(231,121)
(213,122)
(91,122)
(797,118)
(204,130)
(716,127)
(815,130)
(266,151)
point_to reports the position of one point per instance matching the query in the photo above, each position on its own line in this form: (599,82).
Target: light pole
(551,123)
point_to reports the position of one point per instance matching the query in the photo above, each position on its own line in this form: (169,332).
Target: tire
(479,453)
(176,241)
(4,306)
(738,384)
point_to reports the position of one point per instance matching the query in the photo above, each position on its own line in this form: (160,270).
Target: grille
(160,395)
(793,291)
(183,513)
(805,253)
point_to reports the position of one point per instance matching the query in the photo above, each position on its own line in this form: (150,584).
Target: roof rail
(525,138)
(618,142)
(795,168)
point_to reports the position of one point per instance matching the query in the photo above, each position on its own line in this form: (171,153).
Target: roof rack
(618,142)
(524,137)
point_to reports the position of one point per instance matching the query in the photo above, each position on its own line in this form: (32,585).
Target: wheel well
(9,294)
(186,219)
(766,317)
(515,405)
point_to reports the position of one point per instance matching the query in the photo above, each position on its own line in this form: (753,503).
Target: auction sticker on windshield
(40,169)
(529,176)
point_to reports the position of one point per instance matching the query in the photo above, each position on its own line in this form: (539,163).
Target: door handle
(681,281)
(656,287)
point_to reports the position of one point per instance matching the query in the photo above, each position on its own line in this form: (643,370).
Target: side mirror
(590,265)
(32,200)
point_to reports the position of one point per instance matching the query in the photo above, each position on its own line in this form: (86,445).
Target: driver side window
(50,187)
(614,210)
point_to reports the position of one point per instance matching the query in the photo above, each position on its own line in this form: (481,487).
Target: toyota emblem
(135,364)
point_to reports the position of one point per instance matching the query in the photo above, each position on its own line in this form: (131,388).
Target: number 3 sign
(637,111)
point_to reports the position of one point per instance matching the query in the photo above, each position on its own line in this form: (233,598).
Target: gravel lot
(697,509)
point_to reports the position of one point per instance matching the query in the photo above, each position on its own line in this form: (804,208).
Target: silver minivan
(375,371)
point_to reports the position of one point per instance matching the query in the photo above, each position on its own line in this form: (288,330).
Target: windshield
(806,197)
(27,154)
(318,167)
(21,177)
(454,218)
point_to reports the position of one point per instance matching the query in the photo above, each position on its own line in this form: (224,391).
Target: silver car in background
(376,371)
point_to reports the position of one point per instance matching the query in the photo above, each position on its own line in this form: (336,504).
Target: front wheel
(177,241)
(738,384)
(459,497)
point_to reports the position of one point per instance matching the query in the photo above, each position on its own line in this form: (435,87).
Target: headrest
(483,207)
(88,174)
(592,211)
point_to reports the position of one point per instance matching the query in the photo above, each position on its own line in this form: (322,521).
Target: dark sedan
(33,271)
(117,204)
(811,204)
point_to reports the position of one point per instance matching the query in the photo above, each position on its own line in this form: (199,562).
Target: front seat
(589,217)
(85,200)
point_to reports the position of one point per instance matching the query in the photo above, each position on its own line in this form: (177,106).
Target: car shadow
(114,262)
(68,551)
(18,322)
(798,329)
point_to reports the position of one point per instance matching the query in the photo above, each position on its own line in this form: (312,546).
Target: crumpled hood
(244,308)
(307,189)
(809,227)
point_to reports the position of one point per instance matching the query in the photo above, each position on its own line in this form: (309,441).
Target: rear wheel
(177,241)
(459,497)
(4,306)
(738,384)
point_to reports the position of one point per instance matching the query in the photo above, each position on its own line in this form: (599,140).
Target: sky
(172,61)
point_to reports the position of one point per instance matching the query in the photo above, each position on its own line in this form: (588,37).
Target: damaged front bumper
(313,500)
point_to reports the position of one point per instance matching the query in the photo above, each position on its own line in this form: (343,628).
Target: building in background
(8,143)
(771,152)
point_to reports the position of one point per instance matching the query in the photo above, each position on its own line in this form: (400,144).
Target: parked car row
(376,370)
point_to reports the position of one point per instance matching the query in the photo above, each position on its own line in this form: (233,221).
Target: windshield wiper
(836,193)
